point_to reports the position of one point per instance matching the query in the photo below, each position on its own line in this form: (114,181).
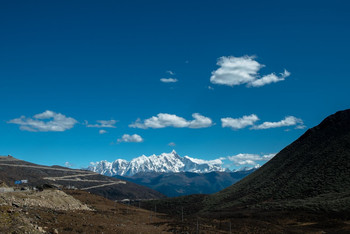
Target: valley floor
(75,211)
(264,222)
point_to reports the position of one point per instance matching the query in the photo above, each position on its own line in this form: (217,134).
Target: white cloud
(45,115)
(67,164)
(249,159)
(170,72)
(300,126)
(243,70)
(244,159)
(210,88)
(130,138)
(168,80)
(163,120)
(102,124)
(47,121)
(171,144)
(239,123)
(102,131)
(271,78)
(250,120)
(287,121)
(200,121)
(202,161)
(268,156)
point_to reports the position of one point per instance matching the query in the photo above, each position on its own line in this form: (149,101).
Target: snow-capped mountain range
(165,162)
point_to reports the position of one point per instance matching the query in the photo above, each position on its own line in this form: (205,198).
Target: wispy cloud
(170,72)
(271,78)
(102,124)
(102,131)
(239,123)
(163,120)
(300,126)
(168,80)
(47,121)
(218,161)
(243,70)
(250,120)
(171,144)
(287,121)
(249,159)
(130,138)
(268,156)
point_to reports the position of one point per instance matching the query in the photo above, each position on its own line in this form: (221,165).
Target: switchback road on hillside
(103,185)
(46,168)
(72,178)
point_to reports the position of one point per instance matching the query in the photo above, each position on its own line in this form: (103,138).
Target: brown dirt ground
(106,216)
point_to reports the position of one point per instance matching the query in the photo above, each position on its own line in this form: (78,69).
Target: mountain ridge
(187,183)
(165,162)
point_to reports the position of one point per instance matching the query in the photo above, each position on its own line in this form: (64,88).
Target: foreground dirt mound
(52,199)
(73,211)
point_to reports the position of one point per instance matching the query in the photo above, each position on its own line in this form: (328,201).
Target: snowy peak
(165,162)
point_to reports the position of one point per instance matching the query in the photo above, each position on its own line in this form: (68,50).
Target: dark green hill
(311,173)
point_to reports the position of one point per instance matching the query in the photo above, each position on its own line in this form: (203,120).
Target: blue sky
(255,74)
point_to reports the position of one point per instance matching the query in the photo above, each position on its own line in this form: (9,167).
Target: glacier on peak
(165,162)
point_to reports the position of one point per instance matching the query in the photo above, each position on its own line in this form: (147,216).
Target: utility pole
(182,214)
(197,227)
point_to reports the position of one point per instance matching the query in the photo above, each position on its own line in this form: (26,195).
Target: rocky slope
(311,173)
(49,198)
(73,211)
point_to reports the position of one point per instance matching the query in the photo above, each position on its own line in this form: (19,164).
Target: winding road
(73,178)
